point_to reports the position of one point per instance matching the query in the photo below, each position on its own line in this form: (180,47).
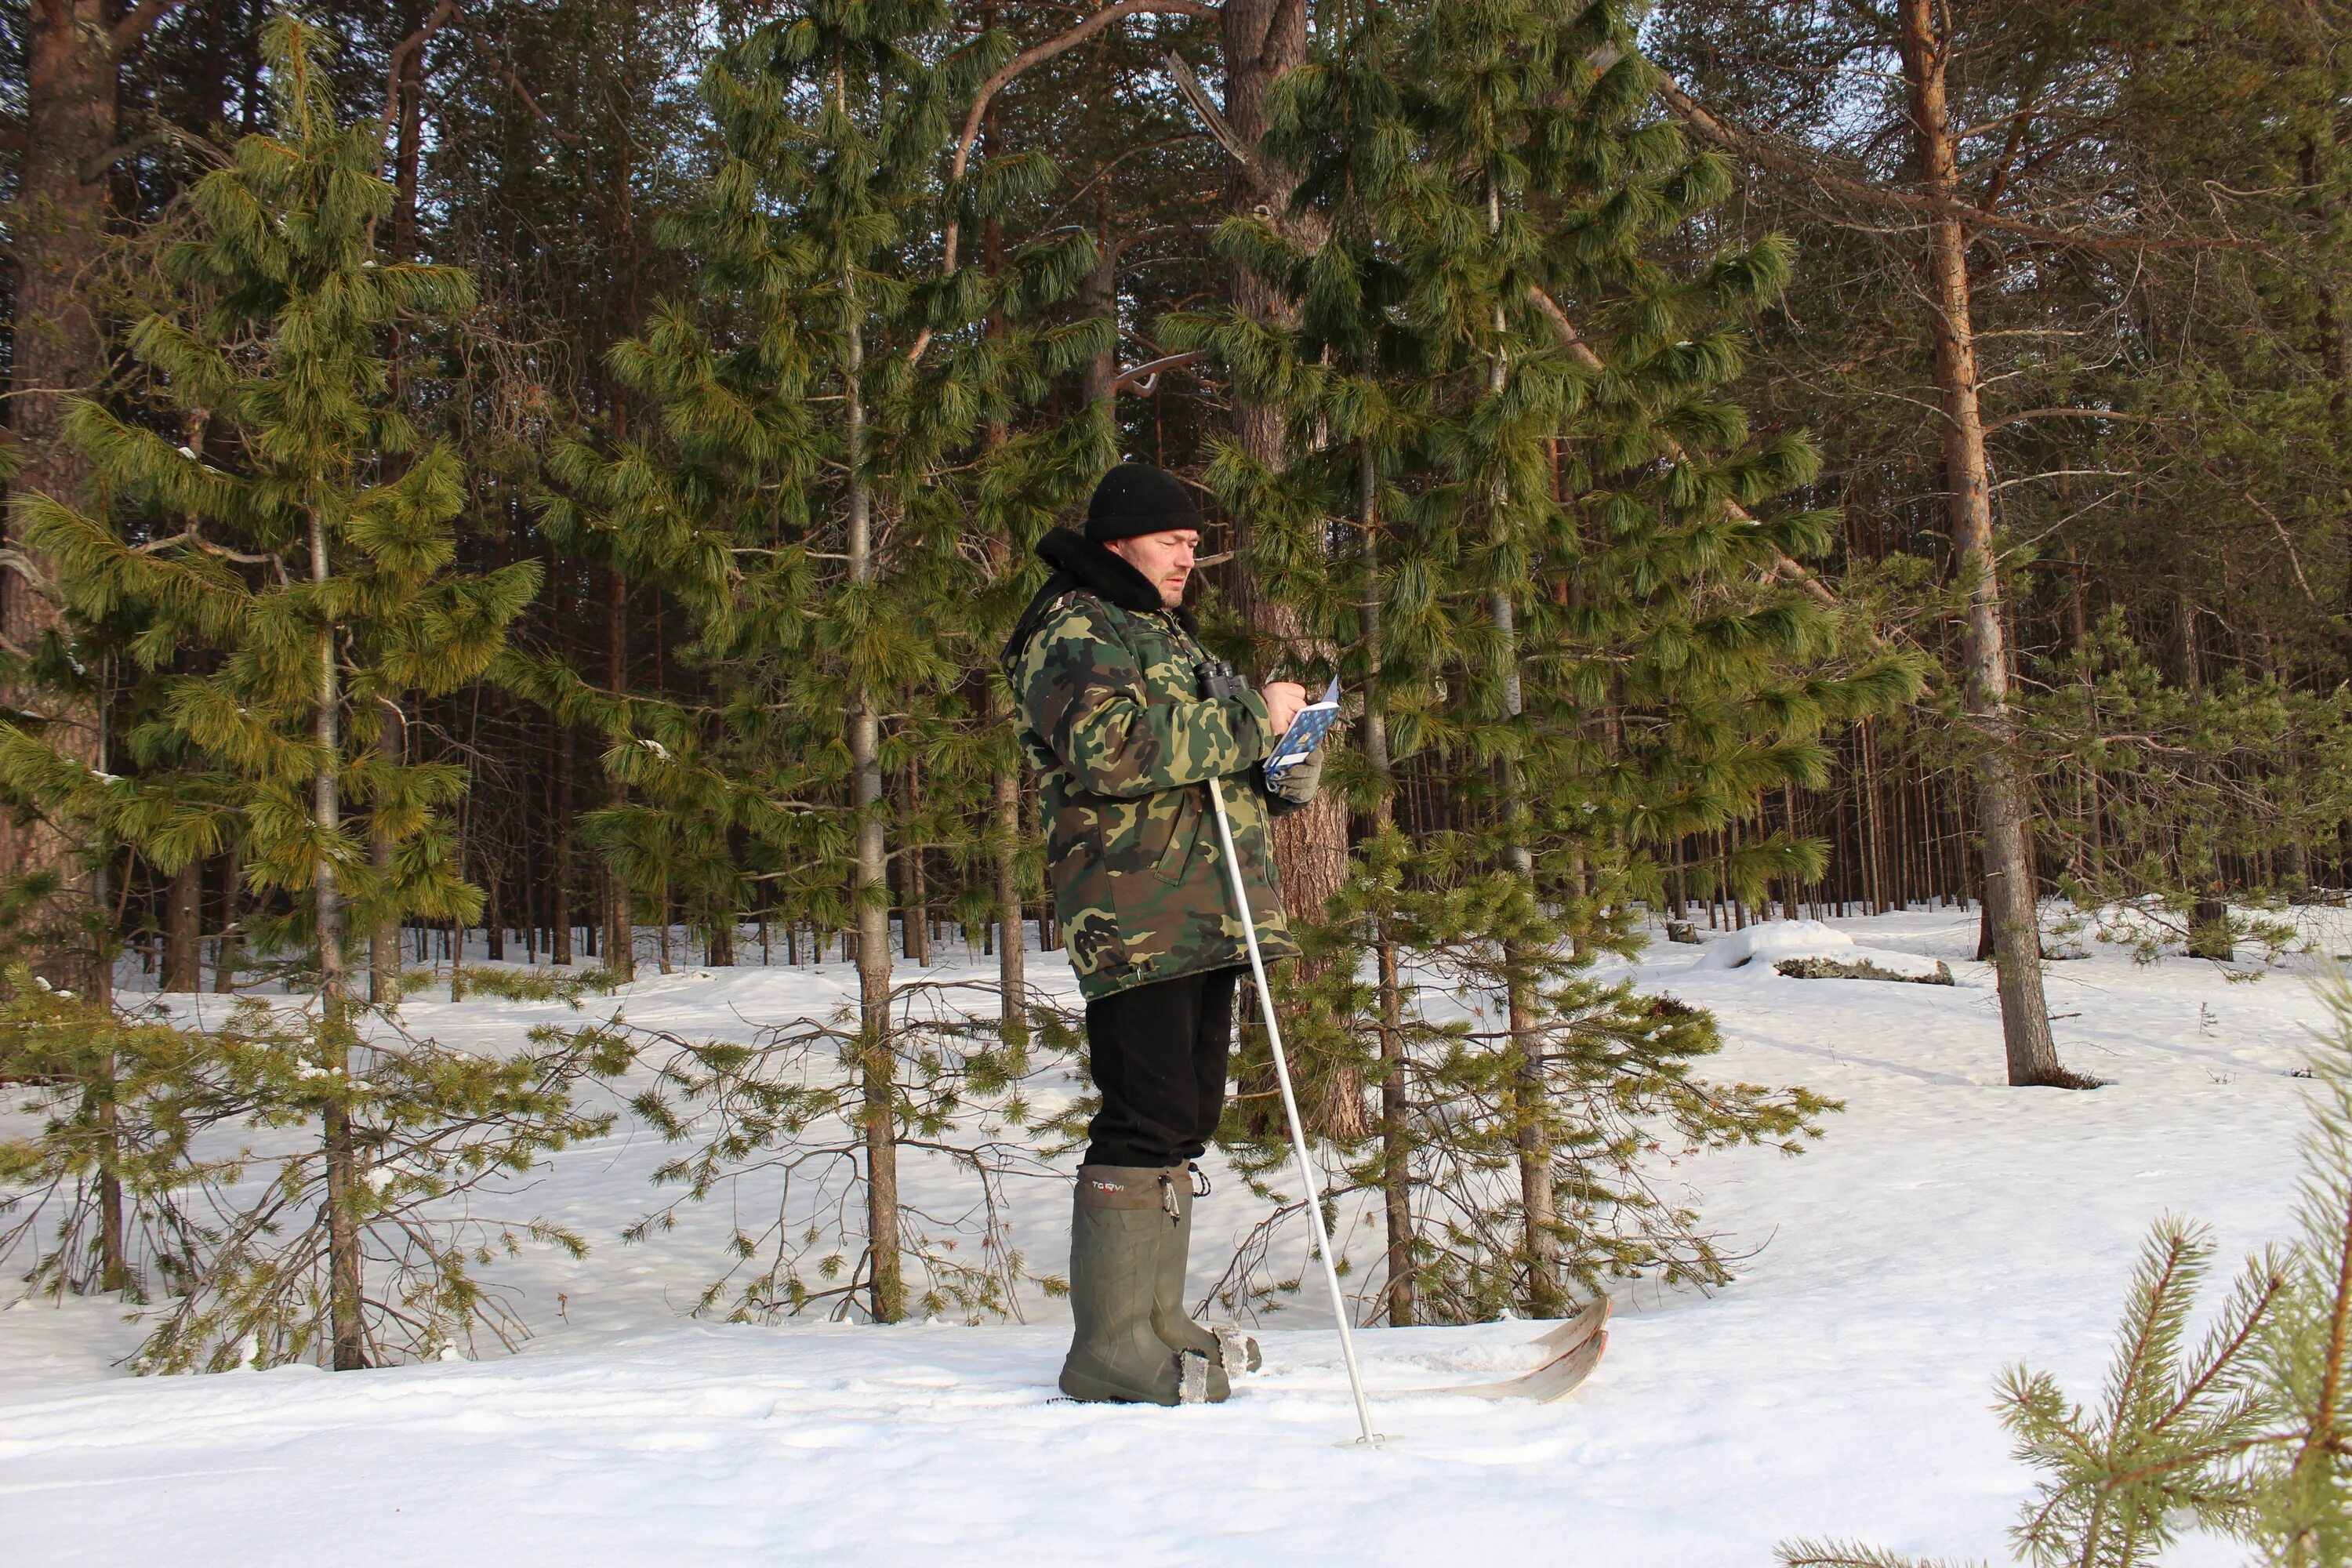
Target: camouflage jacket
(1108,686)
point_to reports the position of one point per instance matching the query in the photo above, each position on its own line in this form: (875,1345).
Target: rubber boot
(1228,1351)
(1119,1227)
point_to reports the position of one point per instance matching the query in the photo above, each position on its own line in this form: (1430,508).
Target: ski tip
(1569,1333)
(1559,1379)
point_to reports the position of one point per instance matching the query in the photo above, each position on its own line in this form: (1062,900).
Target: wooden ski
(1555,1378)
(1575,1347)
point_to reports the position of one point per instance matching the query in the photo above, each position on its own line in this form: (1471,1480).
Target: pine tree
(298,549)
(825,403)
(1558,595)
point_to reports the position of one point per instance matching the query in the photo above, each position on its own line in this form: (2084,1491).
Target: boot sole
(1090,1390)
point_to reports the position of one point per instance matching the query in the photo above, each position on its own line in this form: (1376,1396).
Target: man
(1128,720)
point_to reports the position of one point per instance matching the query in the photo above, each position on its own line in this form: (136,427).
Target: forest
(509,501)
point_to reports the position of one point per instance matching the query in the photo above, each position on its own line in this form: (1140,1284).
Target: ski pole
(1290,1109)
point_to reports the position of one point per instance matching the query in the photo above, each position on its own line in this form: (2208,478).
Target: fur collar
(1098,570)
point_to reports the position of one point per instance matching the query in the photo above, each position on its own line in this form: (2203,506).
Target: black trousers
(1158,1058)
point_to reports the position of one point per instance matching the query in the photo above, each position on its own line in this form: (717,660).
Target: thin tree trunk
(408,146)
(348,1343)
(562,869)
(620,936)
(1396,1105)
(915,923)
(2011,888)
(870,888)
(183,930)
(1098,290)
(232,945)
(1011,938)
(384,942)
(1531,1132)
(114,1268)
(1004,783)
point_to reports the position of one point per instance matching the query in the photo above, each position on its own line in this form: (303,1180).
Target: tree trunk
(1531,1129)
(1004,786)
(620,936)
(383,940)
(57,233)
(2012,893)
(408,147)
(1264,40)
(560,876)
(183,930)
(348,1343)
(915,919)
(114,1264)
(1396,1104)
(1011,939)
(232,945)
(1098,293)
(870,884)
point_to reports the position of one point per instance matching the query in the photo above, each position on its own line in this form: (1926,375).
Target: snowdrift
(1760,947)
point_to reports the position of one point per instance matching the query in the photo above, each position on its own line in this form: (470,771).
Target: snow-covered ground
(1946,1227)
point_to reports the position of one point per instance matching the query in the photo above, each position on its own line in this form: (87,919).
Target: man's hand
(1283,698)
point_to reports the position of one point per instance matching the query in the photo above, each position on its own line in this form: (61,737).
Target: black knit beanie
(1135,498)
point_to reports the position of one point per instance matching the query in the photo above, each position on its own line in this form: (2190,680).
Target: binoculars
(1219,679)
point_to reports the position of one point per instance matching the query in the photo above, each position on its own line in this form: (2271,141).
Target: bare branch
(2025,413)
(1035,55)
(33,573)
(2293,558)
(1194,93)
(1767,155)
(1060,43)
(400,52)
(1141,378)
(95,168)
(2065,474)
(134,26)
(514,83)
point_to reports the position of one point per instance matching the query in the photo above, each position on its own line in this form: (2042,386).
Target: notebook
(1306,734)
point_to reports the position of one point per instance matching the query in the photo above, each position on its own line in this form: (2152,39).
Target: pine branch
(1849,1555)
(1583,352)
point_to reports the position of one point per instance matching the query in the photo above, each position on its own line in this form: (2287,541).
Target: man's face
(1165,559)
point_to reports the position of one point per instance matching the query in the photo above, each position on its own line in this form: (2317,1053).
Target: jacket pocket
(1174,862)
(1086,900)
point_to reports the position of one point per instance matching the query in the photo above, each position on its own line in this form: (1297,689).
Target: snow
(1945,1229)
(1773,941)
